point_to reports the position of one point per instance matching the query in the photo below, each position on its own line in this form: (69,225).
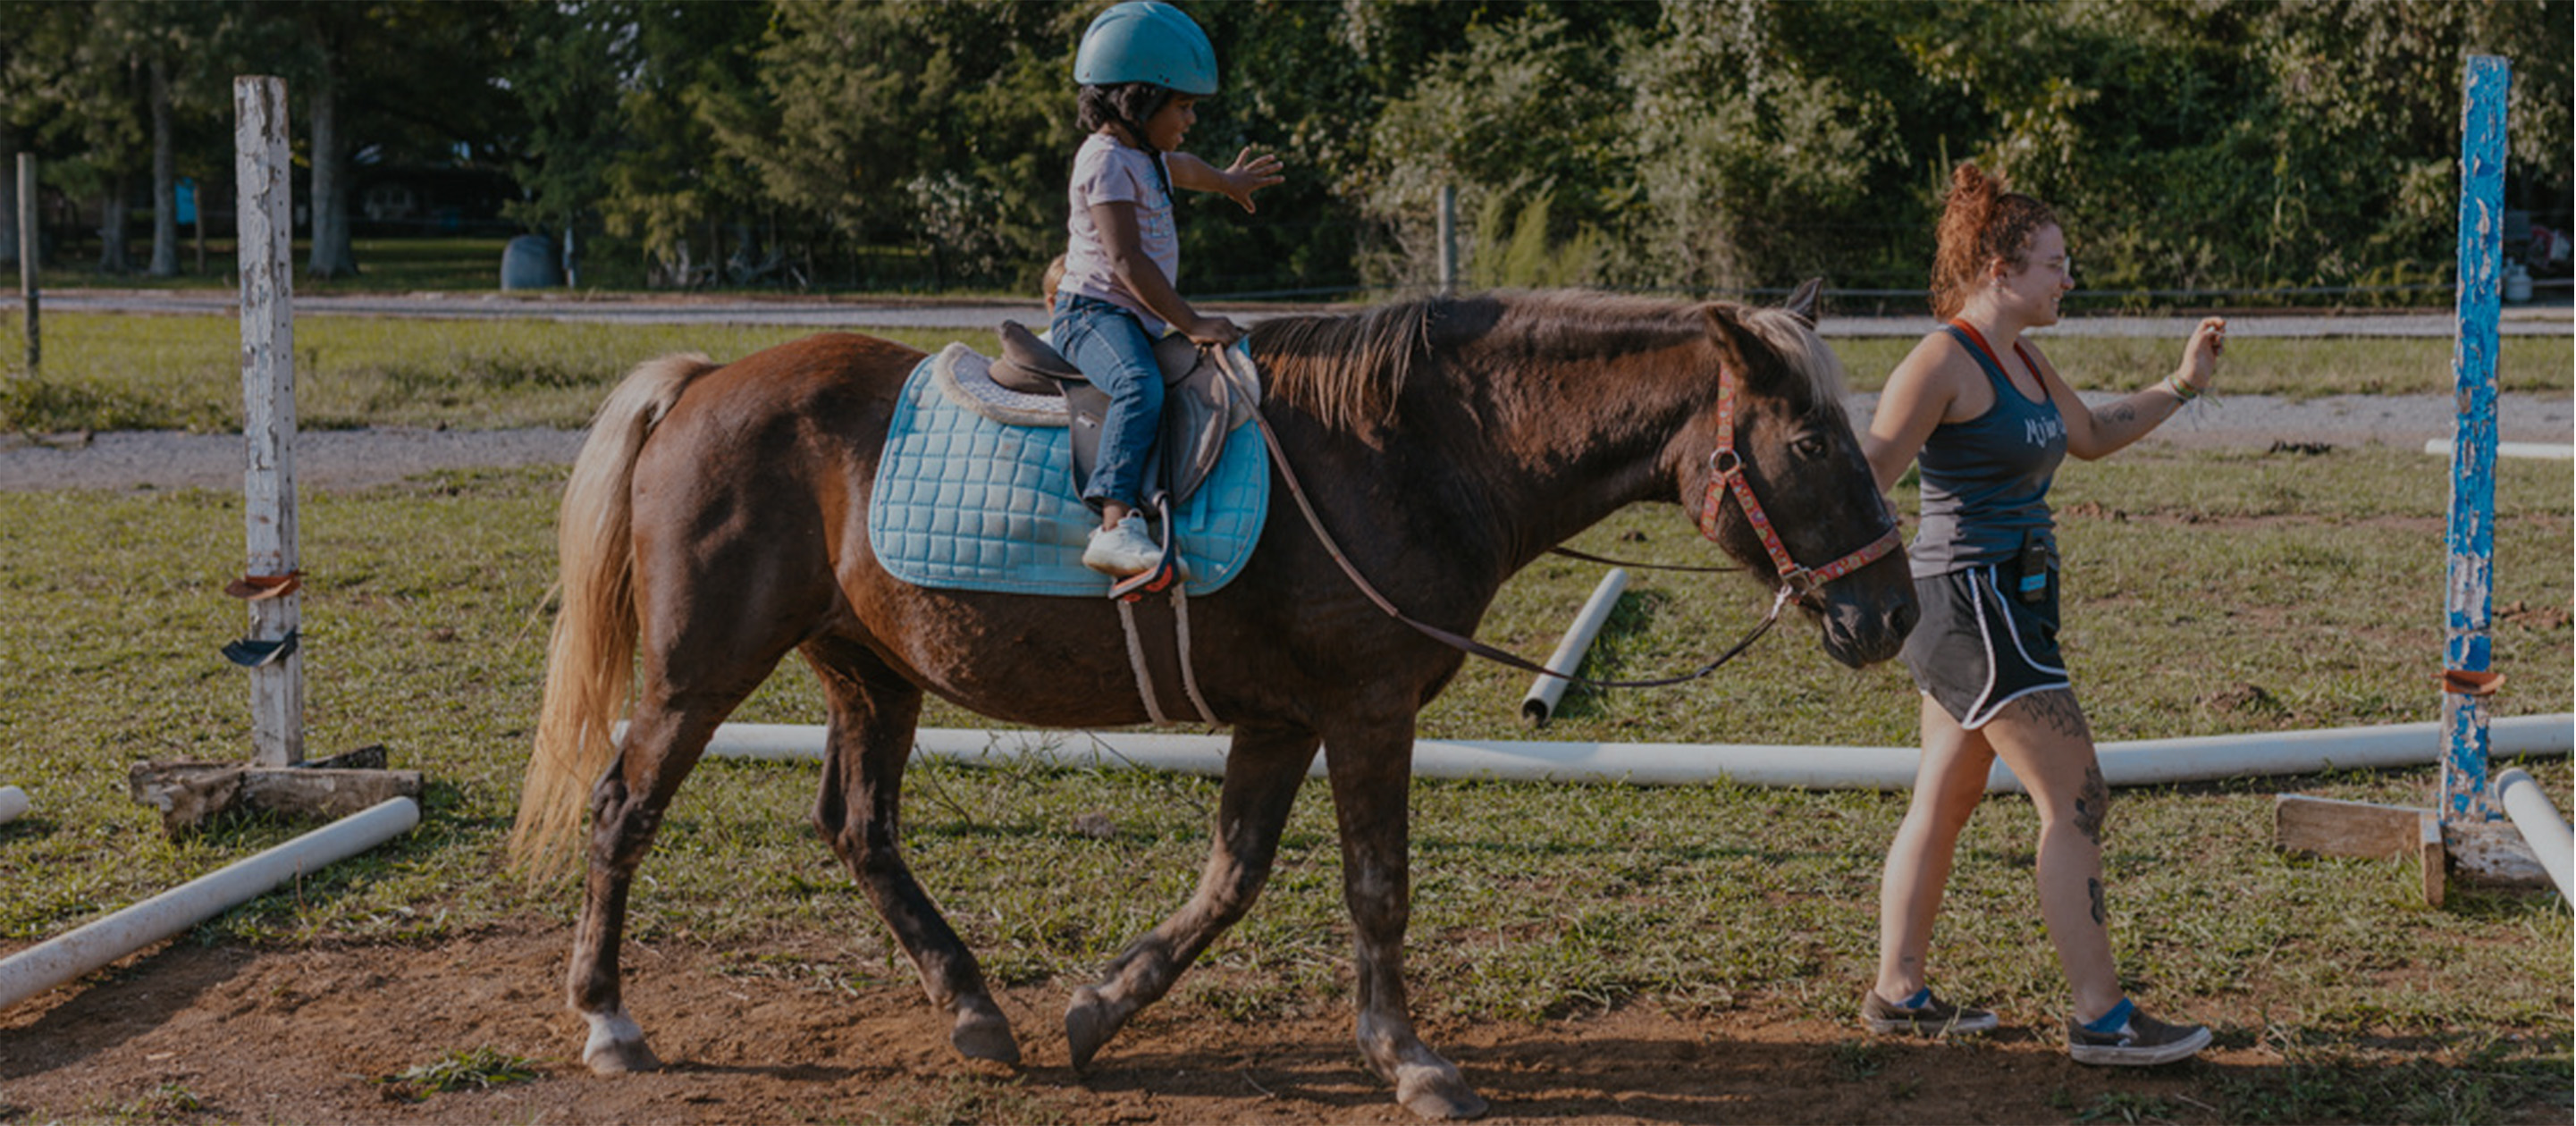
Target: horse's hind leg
(858,811)
(662,743)
(1372,770)
(1262,772)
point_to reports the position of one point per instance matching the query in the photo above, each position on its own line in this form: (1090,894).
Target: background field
(122,372)
(2211,592)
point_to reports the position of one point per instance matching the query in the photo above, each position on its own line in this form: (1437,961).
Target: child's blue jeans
(1111,348)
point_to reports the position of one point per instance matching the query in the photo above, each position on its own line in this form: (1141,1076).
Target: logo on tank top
(2042,431)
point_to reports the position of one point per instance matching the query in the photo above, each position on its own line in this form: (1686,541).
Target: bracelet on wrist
(2181,390)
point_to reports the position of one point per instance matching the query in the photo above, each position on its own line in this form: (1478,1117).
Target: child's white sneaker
(1123,549)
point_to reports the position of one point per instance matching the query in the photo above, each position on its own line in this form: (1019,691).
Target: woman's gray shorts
(1978,649)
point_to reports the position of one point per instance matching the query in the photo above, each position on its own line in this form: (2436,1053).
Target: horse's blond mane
(1349,370)
(1346,370)
(1797,343)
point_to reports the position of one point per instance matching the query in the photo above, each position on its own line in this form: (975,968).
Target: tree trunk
(9,194)
(165,178)
(111,227)
(331,255)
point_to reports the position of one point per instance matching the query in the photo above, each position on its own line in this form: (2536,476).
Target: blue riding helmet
(1146,41)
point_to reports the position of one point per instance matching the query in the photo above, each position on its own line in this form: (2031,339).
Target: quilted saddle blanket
(965,502)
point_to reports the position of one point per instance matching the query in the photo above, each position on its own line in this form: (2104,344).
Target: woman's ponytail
(1981,224)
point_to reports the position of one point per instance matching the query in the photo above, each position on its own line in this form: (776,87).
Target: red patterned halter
(1726,473)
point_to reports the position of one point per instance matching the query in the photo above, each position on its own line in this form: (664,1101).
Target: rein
(1726,471)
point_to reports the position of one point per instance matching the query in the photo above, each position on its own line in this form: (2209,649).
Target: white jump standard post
(268,420)
(276,778)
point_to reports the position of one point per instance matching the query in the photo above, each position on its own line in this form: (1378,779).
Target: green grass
(461,1069)
(115,372)
(119,372)
(2315,579)
(385,265)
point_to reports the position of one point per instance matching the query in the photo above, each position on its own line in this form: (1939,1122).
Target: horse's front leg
(858,812)
(1372,771)
(1262,772)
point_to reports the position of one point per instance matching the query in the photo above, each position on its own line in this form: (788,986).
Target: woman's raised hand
(2200,357)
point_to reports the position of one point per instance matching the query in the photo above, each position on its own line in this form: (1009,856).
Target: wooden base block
(189,794)
(2331,827)
(2491,853)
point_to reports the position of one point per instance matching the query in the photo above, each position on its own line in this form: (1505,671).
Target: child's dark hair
(1125,105)
(1981,223)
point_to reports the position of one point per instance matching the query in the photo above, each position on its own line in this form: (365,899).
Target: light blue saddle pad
(967,503)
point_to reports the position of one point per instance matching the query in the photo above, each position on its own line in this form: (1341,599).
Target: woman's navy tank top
(1985,481)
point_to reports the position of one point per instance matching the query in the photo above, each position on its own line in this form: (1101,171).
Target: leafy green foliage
(1690,144)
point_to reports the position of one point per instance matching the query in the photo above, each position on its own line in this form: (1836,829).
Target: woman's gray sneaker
(2142,1041)
(1931,1017)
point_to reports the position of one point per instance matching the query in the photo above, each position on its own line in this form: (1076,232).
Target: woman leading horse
(716,521)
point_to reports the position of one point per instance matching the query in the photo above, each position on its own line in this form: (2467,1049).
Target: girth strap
(1144,676)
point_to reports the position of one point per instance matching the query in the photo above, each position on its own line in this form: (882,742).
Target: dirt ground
(191,1033)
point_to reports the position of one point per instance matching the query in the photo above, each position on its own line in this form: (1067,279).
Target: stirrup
(1167,566)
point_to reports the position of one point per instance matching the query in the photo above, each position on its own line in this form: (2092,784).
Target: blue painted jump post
(2469,579)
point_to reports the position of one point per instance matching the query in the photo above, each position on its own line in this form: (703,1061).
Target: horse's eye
(1810,446)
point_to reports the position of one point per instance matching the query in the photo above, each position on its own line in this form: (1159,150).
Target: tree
(562,64)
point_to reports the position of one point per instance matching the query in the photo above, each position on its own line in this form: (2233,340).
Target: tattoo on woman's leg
(2101,916)
(2092,804)
(2057,710)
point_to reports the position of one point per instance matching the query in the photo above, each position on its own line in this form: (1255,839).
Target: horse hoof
(1087,1025)
(984,1035)
(616,1047)
(1439,1096)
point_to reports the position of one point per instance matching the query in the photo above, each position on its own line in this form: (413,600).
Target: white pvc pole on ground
(2541,827)
(13,804)
(1545,691)
(97,944)
(2146,762)
(2550,451)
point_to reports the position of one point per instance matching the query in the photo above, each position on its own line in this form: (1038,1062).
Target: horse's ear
(1726,331)
(1803,301)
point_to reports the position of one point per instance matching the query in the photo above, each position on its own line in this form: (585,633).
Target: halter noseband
(1726,472)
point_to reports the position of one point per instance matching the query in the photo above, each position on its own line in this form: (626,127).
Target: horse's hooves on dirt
(985,1036)
(1087,1026)
(1440,1097)
(620,1057)
(616,1046)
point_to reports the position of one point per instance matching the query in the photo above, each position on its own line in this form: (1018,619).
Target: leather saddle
(1207,393)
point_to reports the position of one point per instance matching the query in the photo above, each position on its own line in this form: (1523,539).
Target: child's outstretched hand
(1249,174)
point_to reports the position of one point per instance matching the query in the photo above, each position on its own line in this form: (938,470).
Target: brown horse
(716,521)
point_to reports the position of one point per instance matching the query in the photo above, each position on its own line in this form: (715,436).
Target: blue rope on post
(2469,578)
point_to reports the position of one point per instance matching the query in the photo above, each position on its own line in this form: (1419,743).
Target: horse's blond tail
(590,658)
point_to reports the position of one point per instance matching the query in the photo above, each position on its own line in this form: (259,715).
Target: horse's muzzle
(1865,617)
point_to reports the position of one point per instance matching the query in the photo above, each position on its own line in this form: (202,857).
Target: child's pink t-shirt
(1107,171)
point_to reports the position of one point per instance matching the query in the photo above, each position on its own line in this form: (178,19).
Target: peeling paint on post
(266,215)
(2468,586)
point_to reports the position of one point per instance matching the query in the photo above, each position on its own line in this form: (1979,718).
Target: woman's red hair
(1981,224)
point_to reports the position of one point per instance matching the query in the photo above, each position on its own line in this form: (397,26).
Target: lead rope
(1279,457)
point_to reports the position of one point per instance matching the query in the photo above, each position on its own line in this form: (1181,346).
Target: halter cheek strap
(1726,474)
